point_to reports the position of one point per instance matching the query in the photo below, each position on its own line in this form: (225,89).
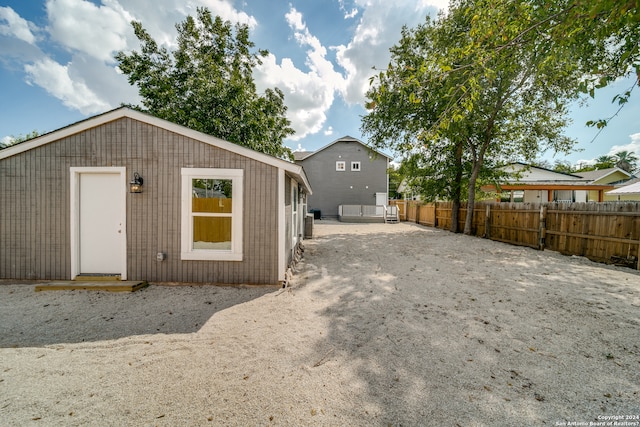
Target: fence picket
(606,232)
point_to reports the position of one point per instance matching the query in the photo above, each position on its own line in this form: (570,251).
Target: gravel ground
(389,325)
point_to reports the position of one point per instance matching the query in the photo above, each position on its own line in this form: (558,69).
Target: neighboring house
(617,177)
(630,192)
(536,184)
(345,172)
(406,192)
(210,211)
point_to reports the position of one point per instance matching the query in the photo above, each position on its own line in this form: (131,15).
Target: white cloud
(108,83)
(633,146)
(294,19)
(438,4)
(55,79)
(160,21)
(80,25)
(6,140)
(100,31)
(225,10)
(308,95)
(12,24)
(328,131)
(347,14)
(92,34)
(378,29)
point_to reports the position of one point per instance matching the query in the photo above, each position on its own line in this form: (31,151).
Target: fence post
(417,213)
(487,222)
(543,227)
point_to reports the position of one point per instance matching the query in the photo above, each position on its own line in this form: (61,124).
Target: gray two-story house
(345,172)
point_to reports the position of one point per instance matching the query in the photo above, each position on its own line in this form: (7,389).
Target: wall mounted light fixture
(135,185)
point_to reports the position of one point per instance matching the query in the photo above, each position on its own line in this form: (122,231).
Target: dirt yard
(382,325)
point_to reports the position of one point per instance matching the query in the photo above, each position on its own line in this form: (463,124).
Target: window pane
(211,233)
(211,195)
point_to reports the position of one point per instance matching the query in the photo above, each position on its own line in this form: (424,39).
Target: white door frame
(295,212)
(282,226)
(75,173)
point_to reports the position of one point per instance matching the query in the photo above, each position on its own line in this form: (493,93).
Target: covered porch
(550,192)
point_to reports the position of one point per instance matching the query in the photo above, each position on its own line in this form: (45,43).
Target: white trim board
(122,112)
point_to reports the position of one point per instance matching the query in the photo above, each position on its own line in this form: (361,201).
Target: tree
(601,38)
(626,160)
(13,140)
(395,179)
(457,96)
(206,84)
(400,106)
(605,162)
(563,166)
(423,175)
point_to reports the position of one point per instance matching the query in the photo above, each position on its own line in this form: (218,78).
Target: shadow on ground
(473,334)
(32,319)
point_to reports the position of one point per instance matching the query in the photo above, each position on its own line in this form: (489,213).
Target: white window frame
(187,251)
(355,167)
(341,166)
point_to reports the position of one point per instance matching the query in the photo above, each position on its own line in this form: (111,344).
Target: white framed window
(341,166)
(355,166)
(211,214)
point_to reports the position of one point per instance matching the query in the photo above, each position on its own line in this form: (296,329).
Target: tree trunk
(471,201)
(455,215)
(456,190)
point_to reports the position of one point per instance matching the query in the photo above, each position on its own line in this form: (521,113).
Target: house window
(340,166)
(567,196)
(212,214)
(355,166)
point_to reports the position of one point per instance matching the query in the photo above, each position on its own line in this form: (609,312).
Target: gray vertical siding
(35,199)
(332,188)
(33,212)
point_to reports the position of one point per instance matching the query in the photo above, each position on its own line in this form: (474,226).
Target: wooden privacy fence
(207,228)
(603,232)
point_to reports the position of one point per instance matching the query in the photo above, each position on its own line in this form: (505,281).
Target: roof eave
(346,138)
(122,112)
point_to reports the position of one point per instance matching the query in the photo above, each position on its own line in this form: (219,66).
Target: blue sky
(57,67)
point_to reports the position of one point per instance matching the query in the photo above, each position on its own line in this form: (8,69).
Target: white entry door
(381,200)
(100,197)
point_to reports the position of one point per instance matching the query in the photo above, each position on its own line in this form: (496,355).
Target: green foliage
(395,179)
(605,162)
(563,166)
(600,39)
(13,140)
(626,161)
(206,84)
(424,175)
(464,98)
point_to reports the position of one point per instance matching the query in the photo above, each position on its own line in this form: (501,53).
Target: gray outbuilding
(345,172)
(130,195)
